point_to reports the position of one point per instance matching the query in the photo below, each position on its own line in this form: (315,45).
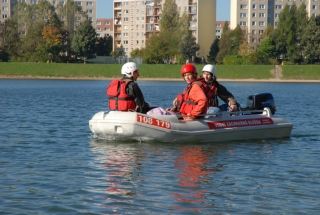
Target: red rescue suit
(118,98)
(187,105)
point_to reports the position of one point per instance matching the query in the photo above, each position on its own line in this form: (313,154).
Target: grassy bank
(295,72)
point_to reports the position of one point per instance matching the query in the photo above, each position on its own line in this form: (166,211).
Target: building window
(79,18)
(218,25)
(125,27)
(261,15)
(261,23)
(253,23)
(89,11)
(89,3)
(98,29)
(77,2)
(243,15)
(125,19)
(5,8)
(125,11)
(98,23)
(253,31)
(254,6)
(314,7)
(218,31)
(254,15)
(4,1)
(243,6)
(107,29)
(276,15)
(243,23)
(262,6)
(125,34)
(261,31)
(278,7)
(107,23)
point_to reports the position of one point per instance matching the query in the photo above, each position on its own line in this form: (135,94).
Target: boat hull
(222,127)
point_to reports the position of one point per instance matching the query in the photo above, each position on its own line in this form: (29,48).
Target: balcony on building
(117,6)
(117,21)
(194,2)
(117,37)
(193,12)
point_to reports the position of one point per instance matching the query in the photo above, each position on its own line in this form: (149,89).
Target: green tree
(9,39)
(164,46)
(229,43)
(104,46)
(310,42)
(187,43)
(285,35)
(214,50)
(154,53)
(118,52)
(170,16)
(84,41)
(302,22)
(136,53)
(266,50)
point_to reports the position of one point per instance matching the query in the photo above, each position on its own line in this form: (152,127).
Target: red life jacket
(184,105)
(212,95)
(118,98)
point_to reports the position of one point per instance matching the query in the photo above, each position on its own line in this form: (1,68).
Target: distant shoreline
(154,79)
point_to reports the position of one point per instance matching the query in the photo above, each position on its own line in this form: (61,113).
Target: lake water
(50,164)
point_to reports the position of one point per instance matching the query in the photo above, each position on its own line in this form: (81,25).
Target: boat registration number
(153,121)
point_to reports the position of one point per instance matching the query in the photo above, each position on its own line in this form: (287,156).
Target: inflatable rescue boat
(256,121)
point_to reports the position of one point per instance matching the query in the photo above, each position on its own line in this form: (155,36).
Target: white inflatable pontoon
(225,126)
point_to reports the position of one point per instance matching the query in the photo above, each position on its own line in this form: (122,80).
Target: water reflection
(121,163)
(195,172)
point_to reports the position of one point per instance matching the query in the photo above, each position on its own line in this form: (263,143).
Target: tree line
(40,33)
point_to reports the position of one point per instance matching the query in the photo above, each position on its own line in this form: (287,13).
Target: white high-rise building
(256,15)
(136,20)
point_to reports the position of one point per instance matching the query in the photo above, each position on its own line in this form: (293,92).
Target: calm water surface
(50,164)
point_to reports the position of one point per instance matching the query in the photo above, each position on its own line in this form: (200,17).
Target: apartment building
(104,27)
(256,15)
(219,28)
(88,6)
(135,21)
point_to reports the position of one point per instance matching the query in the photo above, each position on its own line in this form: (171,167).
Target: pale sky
(104,9)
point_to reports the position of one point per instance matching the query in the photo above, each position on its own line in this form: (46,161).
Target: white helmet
(210,68)
(128,69)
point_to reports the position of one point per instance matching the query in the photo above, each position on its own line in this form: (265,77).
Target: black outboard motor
(260,101)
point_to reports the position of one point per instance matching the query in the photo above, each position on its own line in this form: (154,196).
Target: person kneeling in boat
(125,94)
(193,101)
(209,73)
